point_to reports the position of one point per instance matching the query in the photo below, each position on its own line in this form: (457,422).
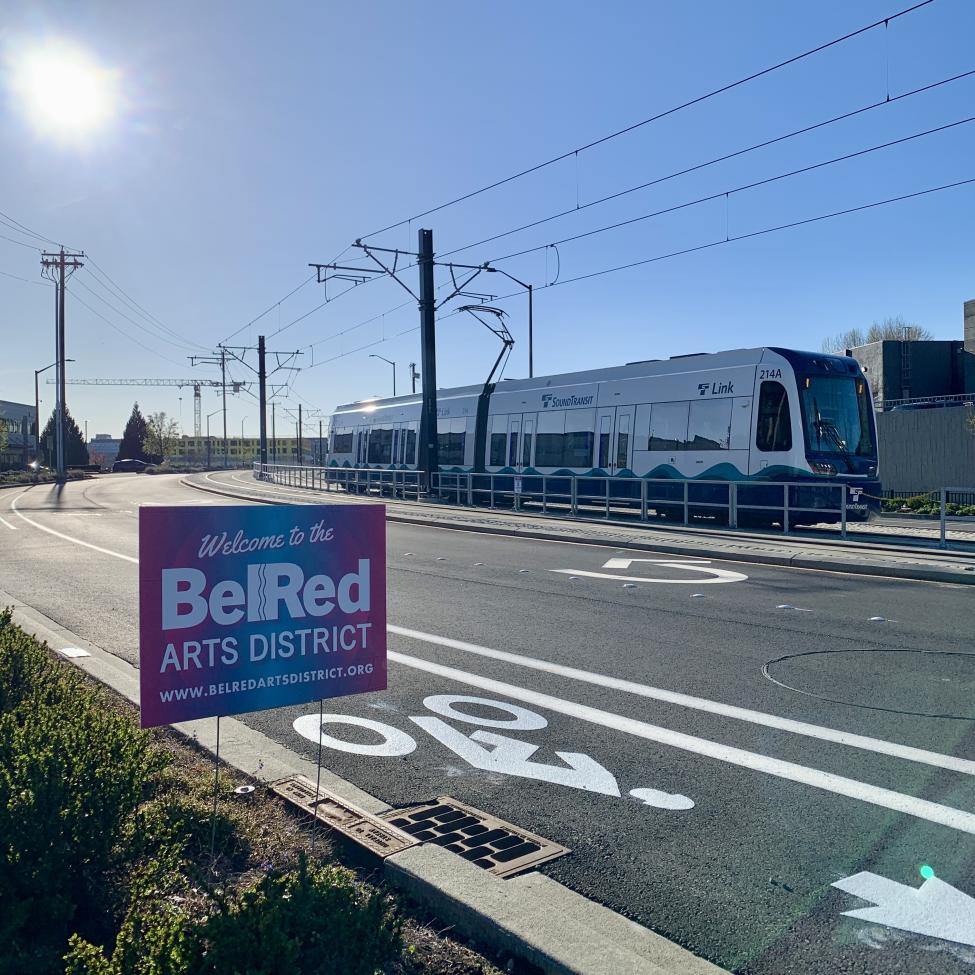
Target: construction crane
(196,383)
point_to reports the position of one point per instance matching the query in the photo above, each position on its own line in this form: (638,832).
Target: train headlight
(822,468)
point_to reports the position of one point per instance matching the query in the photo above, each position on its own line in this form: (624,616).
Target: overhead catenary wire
(738,189)
(709,245)
(883,22)
(883,103)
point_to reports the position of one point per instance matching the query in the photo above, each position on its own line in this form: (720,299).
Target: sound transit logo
(551,401)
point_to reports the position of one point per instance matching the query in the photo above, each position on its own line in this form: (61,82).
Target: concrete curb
(818,562)
(531,917)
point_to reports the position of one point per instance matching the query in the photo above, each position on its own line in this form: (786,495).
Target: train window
(602,461)
(411,442)
(577,442)
(342,441)
(774,428)
(741,422)
(548,439)
(499,440)
(451,435)
(380,446)
(709,426)
(668,426)
(641,428)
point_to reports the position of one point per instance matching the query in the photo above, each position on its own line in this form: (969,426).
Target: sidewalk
(866,558)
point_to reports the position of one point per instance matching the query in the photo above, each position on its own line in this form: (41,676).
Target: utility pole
(274,436)
(60,266)
(301,459)
(262,384)
(414,375)
(429,459)
(321,449)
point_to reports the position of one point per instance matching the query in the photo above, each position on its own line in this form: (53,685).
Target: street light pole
(37,408)
(372,355)
(209,441)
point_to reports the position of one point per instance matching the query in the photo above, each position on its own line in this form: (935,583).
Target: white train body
(747,414)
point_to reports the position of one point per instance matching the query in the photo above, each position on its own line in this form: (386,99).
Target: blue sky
(254,138)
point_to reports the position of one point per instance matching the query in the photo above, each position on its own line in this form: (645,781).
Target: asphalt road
(740,822)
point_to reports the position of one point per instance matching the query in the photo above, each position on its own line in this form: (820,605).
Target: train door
(362,438)
(514,438)
(624,439)
(604,434)
(527,435)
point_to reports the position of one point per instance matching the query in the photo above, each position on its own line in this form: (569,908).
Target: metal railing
(736,504)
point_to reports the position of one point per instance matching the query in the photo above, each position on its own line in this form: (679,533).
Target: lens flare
(62,90)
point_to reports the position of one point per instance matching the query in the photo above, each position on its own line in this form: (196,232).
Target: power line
(737,189)
(137,324)
(654,118)
(122,331)
(116,289)
(711,162)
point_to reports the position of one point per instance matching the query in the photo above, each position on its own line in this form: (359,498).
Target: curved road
(697,795)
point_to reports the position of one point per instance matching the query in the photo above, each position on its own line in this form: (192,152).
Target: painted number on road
(485,750)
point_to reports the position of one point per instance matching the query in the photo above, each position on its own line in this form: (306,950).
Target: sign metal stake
(216,781)
(318,764)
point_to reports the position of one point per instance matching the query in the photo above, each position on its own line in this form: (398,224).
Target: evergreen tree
(75,449)
(134,437)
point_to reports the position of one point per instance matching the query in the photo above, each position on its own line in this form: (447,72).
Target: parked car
(129,466)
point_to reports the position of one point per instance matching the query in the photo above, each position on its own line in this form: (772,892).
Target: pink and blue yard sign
(247,608)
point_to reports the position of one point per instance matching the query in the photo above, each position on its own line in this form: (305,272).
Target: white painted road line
(875,795)
(921,808)
(67,538)
(13,528)
(967,766)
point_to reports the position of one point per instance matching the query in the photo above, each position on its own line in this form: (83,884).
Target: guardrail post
(943,543)
(732,505)
(606,484)
(785,509)
(843,515)
(687,513)
(470,490)
(492,490)
(643,499)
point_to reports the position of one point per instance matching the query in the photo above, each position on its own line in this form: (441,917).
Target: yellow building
(246,450)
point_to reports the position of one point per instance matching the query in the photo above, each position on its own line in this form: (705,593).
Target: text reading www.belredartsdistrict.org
(259,683)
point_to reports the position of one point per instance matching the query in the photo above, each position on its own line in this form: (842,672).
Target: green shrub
(71,771)
(311,921)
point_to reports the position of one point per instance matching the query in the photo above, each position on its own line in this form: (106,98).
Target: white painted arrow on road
(935,909)
(702,569)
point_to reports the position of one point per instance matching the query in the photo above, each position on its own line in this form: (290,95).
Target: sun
(63,90)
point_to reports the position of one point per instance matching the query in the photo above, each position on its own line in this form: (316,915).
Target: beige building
(243,451)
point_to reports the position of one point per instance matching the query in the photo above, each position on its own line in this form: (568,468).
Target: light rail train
(747,415)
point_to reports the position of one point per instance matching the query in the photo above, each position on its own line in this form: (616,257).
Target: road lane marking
(878,745)
(933,812)
(67,538)
(756,717)
(13,528)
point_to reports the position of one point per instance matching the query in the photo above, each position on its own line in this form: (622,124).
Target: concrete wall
(923,450)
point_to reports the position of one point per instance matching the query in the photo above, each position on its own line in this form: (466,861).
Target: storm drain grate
(485,840)
(372,832)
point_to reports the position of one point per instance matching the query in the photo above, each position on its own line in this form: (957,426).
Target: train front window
(836,415)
